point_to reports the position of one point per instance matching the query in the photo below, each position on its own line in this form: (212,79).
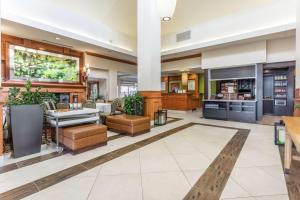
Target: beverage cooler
(280,94)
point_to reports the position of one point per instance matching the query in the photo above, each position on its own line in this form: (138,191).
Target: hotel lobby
(150,100)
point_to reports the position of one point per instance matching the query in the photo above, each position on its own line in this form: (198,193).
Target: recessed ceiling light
(57,38)
(166,19)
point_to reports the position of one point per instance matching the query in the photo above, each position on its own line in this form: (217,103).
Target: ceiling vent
(183,36)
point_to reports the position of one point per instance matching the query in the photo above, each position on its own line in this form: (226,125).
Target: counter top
(174,93)
(227,100)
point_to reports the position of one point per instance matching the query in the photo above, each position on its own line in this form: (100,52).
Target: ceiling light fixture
(166,9)
(57,38)
(166,19)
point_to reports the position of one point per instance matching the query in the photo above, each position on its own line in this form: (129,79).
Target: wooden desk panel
(184,102)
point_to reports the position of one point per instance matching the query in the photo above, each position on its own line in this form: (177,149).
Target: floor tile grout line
(141,176)
(197,188)
(45,155)
(137,146)
(233,179)
(111,138)
(163,134)
(181,170)
(98,174)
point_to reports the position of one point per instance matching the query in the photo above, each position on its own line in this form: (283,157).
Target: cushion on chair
(83,131)
(50,105)
(130,120)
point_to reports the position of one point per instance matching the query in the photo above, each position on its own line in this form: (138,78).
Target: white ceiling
(121,15)
(189,13)
(19,30)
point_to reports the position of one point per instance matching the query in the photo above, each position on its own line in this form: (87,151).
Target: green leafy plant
(134,104)
(297,106)
(40,66)
(28,96)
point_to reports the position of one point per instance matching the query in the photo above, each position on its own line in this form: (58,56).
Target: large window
(127,90)
(38,65)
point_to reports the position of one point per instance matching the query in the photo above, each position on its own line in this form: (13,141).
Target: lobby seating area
(150,100)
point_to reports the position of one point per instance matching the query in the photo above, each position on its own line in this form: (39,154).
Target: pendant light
(166,9)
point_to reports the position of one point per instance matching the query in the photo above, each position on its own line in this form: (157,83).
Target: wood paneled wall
(71,88)
(7,40)
(192,76)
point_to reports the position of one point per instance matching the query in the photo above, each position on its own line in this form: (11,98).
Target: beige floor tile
(121,187)
(77,188)
(158,163)
(279,197)
(127,164)
(192,161)
(257,182)
(193,175)
(164,186)
(233,190)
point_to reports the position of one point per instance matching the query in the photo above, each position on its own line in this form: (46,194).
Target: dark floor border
(226,156)
(292,179)
(37,159)
(212,183)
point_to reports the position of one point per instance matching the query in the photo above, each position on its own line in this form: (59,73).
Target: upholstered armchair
(117,106)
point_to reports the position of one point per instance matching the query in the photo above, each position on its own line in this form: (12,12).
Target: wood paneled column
(152,102)
(149,58)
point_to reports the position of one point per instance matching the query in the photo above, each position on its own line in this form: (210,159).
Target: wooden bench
(292,127)
(83,137)
(128,124)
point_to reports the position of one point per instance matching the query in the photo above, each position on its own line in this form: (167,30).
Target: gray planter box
(26,126)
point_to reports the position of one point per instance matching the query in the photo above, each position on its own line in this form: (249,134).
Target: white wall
(105,64)
(107,69)
(49,16)
(274,16)
(235,55)
(113,85)
(185,64)
(281,50)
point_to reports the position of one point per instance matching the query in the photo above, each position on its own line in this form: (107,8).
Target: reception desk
(180,101)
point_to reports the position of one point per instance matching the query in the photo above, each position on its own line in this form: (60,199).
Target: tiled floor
(165,169)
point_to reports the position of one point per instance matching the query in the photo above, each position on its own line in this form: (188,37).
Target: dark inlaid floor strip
(225,160)
(173,119)
(37,159)
(293,178)
(211,184)
(40,184)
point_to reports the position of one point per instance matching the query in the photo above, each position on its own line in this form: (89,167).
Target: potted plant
(25,121)
(297,110)
(134,105)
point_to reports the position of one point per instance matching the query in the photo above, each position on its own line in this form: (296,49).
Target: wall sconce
(184,78)
(86,72)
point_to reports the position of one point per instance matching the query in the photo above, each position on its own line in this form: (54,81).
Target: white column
(149,45)
(298,47)
(112,84)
